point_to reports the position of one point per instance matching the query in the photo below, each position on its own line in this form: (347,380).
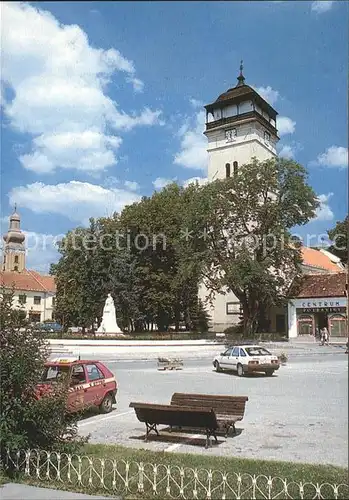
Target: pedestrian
(322,336)
(326,336)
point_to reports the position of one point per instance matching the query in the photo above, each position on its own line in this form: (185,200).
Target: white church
(241,125)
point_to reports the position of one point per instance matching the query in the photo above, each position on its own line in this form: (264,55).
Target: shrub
(26,421)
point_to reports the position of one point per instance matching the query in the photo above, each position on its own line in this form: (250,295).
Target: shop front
(308,315)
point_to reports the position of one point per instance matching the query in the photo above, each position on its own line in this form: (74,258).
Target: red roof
(320,285)
(315,258)
(28,280)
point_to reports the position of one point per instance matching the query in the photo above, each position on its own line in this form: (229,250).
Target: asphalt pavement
(299,414)
(16,491)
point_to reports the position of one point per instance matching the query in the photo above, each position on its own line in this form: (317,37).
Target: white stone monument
(109,324)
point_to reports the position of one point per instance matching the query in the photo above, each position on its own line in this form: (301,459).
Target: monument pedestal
(109,324)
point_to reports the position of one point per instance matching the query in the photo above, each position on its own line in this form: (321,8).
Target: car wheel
(106,405)
(269,373)
(217,366)
(240,370)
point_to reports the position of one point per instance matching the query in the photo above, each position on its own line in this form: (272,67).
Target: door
(95,393)
(234,358)
(78,388)
(225,357)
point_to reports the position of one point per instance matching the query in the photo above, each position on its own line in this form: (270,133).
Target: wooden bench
(228,409)
(153,415)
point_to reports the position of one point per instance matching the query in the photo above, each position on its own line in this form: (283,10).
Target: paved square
(299,414)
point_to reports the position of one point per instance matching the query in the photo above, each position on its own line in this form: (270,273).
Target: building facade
(34,293)
(241,125)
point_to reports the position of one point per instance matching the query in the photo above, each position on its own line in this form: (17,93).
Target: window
(94,373)
(55,373)
(230,135)
(16,259)
(37,300)
(227,170)
(236,167)
(257,351)
(228,352)
(22,299)
(53,301)
(15,268)
(78,375)
(235,352)
(242,352)
(266,136)
(233,308)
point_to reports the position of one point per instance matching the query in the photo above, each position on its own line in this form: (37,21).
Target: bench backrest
(227,405)
(176,416)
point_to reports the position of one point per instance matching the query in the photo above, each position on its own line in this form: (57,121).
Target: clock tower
(240,125)
(14,248)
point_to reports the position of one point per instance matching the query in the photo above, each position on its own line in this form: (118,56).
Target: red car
(91,383)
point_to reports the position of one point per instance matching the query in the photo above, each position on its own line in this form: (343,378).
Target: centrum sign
(322,306)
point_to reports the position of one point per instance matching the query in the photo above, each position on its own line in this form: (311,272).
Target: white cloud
(195,103)
(132,185)
(334,156)
(193,152)
(200,180)
(78,201)
(59,83)
(269,94)
(324,212)
(285,125)
(321,6)
(287,151)
(161,182)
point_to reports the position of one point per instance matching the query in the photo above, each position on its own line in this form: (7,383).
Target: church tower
(240,125)
(14,248)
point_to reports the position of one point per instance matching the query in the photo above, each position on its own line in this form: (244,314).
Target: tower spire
(241,78)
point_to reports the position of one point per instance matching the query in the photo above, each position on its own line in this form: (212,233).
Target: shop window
(338,325)
(305,325)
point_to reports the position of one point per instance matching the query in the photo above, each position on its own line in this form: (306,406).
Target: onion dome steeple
(14,249)
(241,78)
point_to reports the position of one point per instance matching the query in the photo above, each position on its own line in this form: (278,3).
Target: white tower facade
(240,125)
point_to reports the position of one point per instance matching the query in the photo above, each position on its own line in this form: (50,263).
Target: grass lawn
(298,473)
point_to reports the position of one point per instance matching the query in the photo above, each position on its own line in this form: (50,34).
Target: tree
(339,236)
(240,233)
(26,421)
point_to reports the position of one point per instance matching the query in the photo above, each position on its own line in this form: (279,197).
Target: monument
(109,324)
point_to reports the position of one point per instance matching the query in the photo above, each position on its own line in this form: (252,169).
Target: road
(299,414)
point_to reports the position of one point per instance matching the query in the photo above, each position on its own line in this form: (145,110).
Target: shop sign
(321,309)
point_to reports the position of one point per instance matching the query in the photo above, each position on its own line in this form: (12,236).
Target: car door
(78,388)
(234,358)
(96,389)
(224,358)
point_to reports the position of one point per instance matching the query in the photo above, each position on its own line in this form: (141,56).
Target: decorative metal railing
(164,481)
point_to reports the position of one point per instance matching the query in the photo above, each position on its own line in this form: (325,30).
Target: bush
(26,421)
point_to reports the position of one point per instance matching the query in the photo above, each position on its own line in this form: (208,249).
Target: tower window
(15,268)
(266,136)
(227,170)
(236,167)
(16,259)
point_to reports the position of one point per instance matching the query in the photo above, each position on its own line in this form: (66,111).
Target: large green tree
(239,230)
(339,236)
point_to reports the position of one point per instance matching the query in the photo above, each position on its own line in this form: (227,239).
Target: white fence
(164,481)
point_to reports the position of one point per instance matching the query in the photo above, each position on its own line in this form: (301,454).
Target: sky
(102,102)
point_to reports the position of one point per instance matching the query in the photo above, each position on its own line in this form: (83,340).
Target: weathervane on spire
(241,78)
(15,207)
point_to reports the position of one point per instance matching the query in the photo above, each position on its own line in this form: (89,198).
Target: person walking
(326,336)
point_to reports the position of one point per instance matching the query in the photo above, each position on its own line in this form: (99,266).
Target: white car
(247,359)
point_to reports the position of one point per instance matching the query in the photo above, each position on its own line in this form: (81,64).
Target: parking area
(300,414)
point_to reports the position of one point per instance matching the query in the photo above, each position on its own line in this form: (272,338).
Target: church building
(34,293)
(240,125)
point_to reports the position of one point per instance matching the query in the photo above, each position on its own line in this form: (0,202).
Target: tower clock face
(230,134)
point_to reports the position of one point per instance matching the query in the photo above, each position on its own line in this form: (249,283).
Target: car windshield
(55,373)
(257,351)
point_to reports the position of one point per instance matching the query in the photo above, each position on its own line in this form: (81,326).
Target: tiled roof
(28,280)
(320,285)
(315,258)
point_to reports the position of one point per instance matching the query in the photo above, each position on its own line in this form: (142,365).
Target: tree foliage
(339,236)
(26,421)
(240,231)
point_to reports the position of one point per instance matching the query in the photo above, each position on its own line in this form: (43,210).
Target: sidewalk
(16,491)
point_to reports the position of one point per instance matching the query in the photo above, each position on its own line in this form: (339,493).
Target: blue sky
(102,101)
